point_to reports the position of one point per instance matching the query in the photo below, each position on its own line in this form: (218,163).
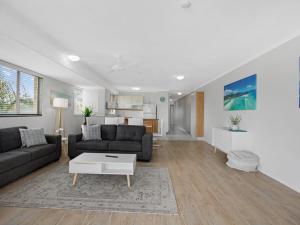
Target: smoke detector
(186,4)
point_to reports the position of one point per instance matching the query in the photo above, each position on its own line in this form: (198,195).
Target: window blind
(8,90)
(28,94)
(19,92)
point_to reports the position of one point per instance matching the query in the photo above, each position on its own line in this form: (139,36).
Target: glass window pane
(8,90)
(28,94)
(78,102)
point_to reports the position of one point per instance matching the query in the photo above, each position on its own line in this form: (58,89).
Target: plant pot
(235,127)
(88,120)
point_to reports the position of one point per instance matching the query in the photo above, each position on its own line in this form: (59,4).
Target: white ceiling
(158,37)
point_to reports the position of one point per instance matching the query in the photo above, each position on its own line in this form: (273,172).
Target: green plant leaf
(87,112)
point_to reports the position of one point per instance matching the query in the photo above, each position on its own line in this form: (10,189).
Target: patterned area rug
(151,192)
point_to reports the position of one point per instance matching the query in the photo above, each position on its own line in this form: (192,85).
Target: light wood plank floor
(207,192)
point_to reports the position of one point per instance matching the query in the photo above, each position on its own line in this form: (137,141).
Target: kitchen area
(149,109)
(131,109)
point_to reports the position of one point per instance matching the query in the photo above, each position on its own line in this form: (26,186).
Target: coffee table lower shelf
(76,177)
(99,163)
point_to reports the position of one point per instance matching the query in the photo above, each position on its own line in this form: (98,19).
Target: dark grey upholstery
(10,138)
(92,145)
(72,141)
(39,151)
(130,133)
(126,146)
(25,169)
(16,162)
(108,132)
(147,143)
(115,139)
(12,159)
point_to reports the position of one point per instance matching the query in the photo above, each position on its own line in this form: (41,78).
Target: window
(19,92)
(78,102)
(8,90)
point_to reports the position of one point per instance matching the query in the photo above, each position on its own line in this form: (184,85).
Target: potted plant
(235,121)
(87,112)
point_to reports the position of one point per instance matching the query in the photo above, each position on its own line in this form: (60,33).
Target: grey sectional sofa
(115,139)
(16,162)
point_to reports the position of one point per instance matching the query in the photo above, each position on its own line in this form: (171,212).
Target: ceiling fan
(119,65)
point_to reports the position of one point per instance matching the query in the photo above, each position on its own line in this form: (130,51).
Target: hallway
(178,134)
(175,130)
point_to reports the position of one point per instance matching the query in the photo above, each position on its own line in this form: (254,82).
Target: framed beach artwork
(241,94)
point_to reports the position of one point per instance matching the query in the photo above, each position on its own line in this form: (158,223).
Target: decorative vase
(235,127)
(88,121)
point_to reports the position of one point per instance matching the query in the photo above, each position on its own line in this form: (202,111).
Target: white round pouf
(243,160)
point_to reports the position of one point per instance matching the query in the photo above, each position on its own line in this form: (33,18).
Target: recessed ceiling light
(179,93)
(74,58)
(136,88)
(179,77)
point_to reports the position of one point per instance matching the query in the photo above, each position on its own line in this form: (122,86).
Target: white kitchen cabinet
(227,140)
(129,102)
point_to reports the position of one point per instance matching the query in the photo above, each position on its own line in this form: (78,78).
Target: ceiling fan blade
(129,65)
(109,71)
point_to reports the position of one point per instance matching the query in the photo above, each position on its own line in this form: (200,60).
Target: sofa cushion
(39,151)
(92,145)
(108,132)
(10,138)
(91,132)
(125,146)
(130,133)
(32,137)
(12,159)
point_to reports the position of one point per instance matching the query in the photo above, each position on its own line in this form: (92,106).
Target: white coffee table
(101,163)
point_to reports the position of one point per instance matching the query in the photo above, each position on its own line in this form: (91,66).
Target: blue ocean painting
(241,95)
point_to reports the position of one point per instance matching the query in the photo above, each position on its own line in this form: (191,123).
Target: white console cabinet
(226,140)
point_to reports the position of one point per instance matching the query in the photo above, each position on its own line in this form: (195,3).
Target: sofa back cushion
(32,137)
(130,133)
(91,132)
(108,132)
(10,138)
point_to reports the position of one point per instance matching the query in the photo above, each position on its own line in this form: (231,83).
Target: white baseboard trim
(297,189)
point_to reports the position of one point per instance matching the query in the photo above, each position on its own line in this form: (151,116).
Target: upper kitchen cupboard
(130,102)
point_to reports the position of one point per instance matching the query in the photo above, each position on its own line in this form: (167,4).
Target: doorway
(179,121)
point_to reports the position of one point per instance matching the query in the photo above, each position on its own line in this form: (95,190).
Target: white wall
(162,107)
(275,125)
(95,98)
(47,120)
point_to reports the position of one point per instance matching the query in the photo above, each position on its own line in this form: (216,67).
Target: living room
(149,112)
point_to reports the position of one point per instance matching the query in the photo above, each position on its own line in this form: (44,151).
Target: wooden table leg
(128,181)
(75,179)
